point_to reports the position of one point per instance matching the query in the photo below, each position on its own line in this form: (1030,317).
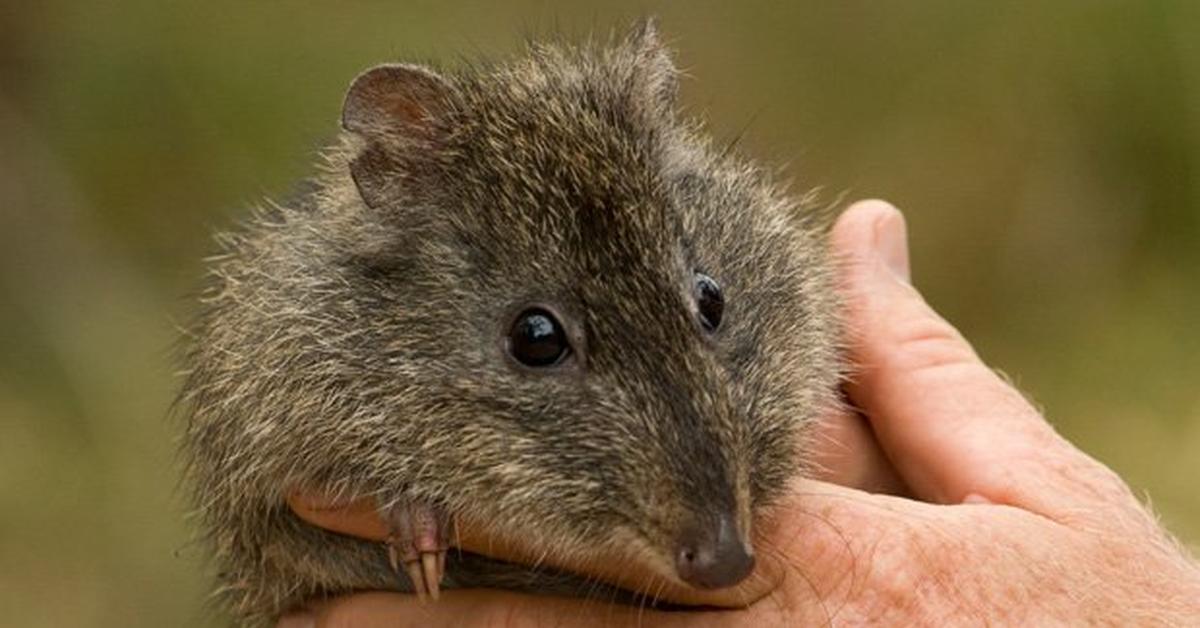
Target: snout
(713,554)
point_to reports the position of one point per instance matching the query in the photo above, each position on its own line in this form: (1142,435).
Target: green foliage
(1047,155)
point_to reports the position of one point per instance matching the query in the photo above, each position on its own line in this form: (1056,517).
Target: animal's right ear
(392,108)
(656,76)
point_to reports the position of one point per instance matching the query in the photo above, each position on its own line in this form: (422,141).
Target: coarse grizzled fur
(351,340)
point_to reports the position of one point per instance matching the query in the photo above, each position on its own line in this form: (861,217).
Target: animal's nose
(713,556)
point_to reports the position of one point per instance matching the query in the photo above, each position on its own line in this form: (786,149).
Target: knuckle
(925,343)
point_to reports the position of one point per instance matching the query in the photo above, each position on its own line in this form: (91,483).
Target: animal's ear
(655,74)
(393,107)
(395,98)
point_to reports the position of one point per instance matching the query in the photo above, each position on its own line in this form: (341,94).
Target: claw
(393,554)
(418,539)
(413,568)
(432,576)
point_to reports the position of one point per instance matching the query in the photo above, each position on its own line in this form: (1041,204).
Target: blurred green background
(1047,155)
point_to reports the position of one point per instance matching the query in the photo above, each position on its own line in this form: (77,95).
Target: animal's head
(537,297)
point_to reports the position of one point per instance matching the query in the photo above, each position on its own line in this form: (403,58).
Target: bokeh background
(1047,155)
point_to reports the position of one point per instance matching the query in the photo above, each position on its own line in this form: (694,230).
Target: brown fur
(351,340)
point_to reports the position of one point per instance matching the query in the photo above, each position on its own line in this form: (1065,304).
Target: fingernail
(298,619)
(891,243)
(976,498)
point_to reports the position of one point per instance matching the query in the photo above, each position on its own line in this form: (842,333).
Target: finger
(834,538)
(466,609)
(843,450)
(824,533)
(361,518)
(950,424)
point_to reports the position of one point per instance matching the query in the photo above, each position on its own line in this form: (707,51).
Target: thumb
(951,426)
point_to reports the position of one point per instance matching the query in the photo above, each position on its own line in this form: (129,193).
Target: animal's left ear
(655,75)
(399,112)
(402,99)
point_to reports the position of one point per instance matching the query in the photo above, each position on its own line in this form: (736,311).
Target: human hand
(1008,521)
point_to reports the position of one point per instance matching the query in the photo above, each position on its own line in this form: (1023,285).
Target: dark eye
(537,339)
(710,303)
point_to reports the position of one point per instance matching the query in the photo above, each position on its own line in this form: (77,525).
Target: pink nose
(713,556)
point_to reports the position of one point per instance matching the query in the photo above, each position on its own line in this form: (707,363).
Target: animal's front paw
(418,537)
